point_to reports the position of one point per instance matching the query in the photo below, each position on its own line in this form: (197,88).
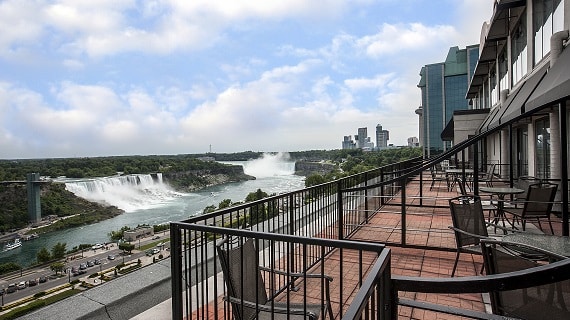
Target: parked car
(111,257)
(11,288)
(156,237)
(97,261)
(83,266)
(32,282)
(90,263)
(155,251)
(21,285)
(97,246)
(43,279)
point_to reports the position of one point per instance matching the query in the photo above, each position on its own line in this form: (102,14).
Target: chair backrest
(240,266)
(539,200)
(461,184)
(540,302)
(490,172)
(523,182)
(467,215)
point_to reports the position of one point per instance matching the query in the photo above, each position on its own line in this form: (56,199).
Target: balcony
(382,236)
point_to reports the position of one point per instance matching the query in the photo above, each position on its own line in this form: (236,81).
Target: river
(155,203)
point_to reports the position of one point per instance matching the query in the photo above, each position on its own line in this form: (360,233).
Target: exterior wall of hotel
(523,63)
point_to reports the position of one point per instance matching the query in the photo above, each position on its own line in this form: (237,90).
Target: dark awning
(485,125)
(447,133)
(555,85)
(514,104)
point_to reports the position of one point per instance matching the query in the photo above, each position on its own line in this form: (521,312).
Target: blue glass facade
(444,86)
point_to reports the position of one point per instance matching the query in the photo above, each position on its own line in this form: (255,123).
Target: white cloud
(393,39)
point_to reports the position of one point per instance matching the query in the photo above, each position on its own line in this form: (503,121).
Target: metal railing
(327,213)
(198,289)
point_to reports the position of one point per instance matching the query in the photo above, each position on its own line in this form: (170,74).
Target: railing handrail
(532,277)
(369,284)
(342,244)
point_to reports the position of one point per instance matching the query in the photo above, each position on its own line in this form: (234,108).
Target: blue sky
(123,77)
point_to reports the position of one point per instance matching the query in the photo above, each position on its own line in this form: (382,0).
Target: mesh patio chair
(487,205)
(489,175)
(540,302)
(247,291)
(537,205)
(437,176)
(469,225)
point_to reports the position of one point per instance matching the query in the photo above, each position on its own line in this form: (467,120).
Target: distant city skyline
(102,78)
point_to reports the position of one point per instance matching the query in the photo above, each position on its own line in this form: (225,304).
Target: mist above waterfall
(129,192)
(270,165)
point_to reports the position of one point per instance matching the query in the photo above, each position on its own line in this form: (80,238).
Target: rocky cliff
(307,168)
(197,179)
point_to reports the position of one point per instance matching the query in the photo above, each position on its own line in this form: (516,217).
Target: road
(88,255)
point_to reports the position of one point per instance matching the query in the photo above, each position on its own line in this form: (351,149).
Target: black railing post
(403,194)
(292,208)
(340,214)
(365,197)
(564,165)
(382,187)
(176,270)
(511,159)
(476,168)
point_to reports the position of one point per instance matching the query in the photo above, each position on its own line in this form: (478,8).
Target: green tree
(314,180)
(208,209)
(118,235)
(58,250)
(43,255)
(57,267)
(128,247)
(226,203)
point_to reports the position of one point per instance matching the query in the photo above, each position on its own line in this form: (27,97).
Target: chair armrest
(269,308)
(468,233)
(297,274)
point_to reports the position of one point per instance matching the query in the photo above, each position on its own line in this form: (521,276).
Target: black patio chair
(470,226)
(487,205)
(537,205)
(540,302)
(438,176)
(489,175)
(247,291)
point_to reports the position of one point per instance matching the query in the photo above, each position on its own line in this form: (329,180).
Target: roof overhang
(493,38)
(554,87)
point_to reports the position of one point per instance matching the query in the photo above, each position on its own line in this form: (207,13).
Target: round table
(501,192)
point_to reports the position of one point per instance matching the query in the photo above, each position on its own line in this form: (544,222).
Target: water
(150,201)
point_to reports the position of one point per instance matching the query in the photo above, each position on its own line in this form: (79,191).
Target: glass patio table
(552,243)
(501,192)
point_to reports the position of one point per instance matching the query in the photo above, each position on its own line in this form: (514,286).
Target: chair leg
(455,264)
(482,268)
(550,223)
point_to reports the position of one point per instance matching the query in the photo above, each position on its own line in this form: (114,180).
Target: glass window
(542,128)
(519,51)
(494,89)
(503,71)
(521,152)
(547,18)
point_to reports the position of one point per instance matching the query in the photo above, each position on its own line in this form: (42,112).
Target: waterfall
(128,192)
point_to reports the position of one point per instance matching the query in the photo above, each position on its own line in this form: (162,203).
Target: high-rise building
(413,142)
(348,143)
(382,137)
(444,87)
(361,137)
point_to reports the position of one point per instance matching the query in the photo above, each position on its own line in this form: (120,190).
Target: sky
(84,78)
